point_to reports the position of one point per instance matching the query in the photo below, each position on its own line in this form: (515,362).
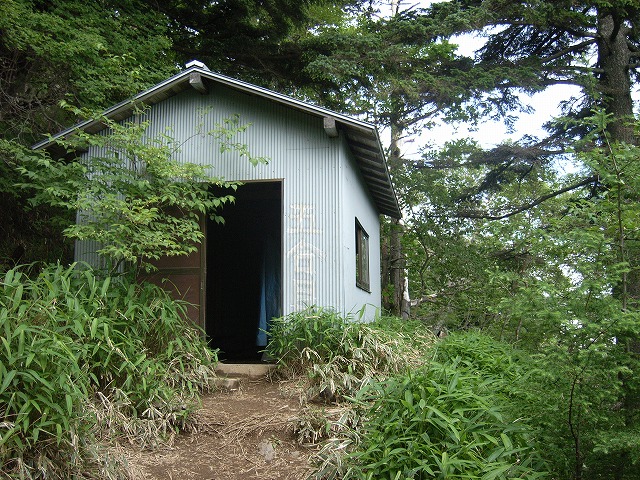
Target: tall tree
(593,44)
(257,41)
(84,52)
(573,241)
(93,53)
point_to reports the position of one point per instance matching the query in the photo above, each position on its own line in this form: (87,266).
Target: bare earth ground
(242,434)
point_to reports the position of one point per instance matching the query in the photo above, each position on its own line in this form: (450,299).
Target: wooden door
(184,278)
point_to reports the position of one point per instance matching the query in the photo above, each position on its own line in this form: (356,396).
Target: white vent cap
(196,63)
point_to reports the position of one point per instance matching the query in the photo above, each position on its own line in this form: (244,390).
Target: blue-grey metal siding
(312,167)
(357,204)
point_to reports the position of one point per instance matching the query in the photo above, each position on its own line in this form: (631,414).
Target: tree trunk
(398,303)
(400,306)
(614,56)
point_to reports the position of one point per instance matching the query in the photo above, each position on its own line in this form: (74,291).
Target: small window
(362,258)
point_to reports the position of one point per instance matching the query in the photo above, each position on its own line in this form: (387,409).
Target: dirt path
(243,434)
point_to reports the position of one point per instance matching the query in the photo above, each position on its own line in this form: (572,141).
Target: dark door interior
(244,271)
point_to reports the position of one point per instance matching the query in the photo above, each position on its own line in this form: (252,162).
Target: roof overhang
(362,137)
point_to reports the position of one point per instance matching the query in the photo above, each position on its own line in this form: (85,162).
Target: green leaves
(442,421)
(94,54)
(83,357)
(132,195)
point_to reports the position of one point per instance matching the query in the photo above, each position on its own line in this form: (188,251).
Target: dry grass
(157,425)
(337,358)
(257,424)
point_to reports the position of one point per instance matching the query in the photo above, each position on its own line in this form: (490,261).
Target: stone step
(223,383)
(253,371)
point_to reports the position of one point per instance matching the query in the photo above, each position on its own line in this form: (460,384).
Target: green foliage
(132,195)
(29,234)
(88,53)
(339,355)
(84,358)
(569,393)
(560,280)
(576,399)
(392,63)
(459,416)
(481,353)
(442,421)
(262,38)
(43,388)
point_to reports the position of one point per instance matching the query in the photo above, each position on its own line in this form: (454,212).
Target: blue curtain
(269,288)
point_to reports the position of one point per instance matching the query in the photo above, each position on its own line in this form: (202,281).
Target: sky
(545,105)
(489,134)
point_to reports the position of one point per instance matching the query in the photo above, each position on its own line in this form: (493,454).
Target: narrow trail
(242,434)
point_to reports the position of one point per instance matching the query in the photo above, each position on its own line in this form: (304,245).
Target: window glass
(362,257)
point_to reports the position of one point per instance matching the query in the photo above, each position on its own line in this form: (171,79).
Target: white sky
(490,133)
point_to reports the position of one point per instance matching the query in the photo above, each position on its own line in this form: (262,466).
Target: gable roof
(362,137)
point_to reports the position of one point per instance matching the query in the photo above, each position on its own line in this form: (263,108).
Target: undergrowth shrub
(83,358)
(571,398)
(42,394)
(411,411)
(441,421)
(339,355)
(484,354)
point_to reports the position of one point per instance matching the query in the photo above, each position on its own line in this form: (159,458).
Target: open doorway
(244,272)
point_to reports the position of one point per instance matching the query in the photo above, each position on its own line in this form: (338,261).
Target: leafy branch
(132,195)
(527,206)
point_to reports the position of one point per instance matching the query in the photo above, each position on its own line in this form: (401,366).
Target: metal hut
(305,227)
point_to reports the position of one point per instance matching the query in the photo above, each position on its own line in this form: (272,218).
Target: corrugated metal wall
(357,204)
(308,161)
